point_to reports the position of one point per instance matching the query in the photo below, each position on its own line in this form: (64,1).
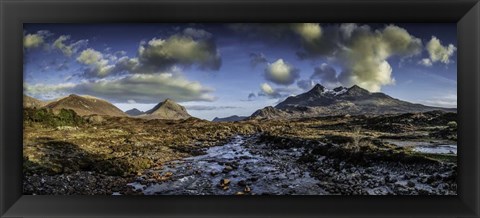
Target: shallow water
(427,147)
(437,149)
(201,175)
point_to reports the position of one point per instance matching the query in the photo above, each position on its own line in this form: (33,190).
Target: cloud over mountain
(141,88)
(276,93)
(366,53)
(362,53)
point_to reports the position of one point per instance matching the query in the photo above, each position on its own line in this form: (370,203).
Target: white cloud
(197,33)
(70,49)
(276,93)
(439,52)
(99,66)
(346,29)
(140,88)
(90,56)
(361,52)
(308,31)
(181,50)
(281,73)
(156,55)
(447,101)
(32,40)
(366,52)
(267,89)
(426,62)
(208,107)
(47,91)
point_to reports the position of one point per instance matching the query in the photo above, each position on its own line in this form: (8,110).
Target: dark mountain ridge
(355,100)
(134,112)
(229,119)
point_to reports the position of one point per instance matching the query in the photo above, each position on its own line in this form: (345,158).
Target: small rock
(227,169)
(242,183)
(224,182)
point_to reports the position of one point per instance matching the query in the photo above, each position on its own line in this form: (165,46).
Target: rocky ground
(68,154)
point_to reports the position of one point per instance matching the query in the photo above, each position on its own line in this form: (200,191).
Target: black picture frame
(466,13)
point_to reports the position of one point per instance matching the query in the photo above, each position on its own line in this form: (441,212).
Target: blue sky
(235,69)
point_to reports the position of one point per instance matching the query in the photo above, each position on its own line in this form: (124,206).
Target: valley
(357,151)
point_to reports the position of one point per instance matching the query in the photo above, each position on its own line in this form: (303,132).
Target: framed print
(249,109)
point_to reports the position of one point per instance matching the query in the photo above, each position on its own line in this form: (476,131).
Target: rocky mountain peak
(357,91)
(169,101)
(168,109)
(317,88)
(30,102)
(86,106)
(134,112)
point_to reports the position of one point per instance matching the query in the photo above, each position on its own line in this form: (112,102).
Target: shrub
(66,117)
(452,125)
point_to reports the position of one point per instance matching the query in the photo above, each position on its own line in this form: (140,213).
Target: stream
(244,171)
(243,167)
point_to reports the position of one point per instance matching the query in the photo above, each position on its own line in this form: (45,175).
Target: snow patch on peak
(336,91)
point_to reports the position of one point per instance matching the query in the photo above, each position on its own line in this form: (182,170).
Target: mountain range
(319,101)
(89,105)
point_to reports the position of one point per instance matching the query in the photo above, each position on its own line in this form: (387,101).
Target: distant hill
(229,119)
(168,110)
(320,101)
(86,105)
(134,112)
(29,102)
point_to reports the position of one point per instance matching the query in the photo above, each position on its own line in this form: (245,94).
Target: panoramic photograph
(240,109)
